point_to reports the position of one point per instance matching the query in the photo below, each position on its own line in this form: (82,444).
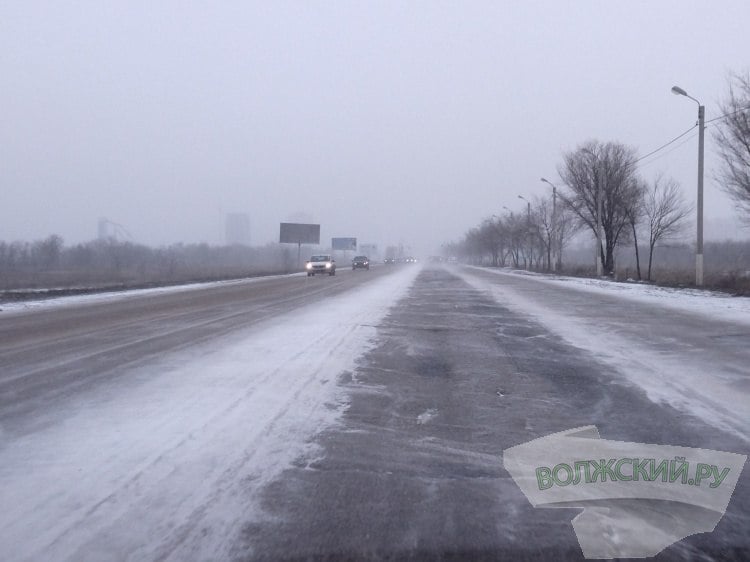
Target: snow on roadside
(168,463)
(16,307)
(716,305)
(664,378)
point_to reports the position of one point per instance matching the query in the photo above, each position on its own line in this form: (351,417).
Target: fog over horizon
(394,122)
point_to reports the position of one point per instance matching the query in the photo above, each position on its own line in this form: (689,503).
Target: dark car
(360,262)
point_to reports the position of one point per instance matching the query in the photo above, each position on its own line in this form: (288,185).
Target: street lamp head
(676,90)
(545,180)
(522,197)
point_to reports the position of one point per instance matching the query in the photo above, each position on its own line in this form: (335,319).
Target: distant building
(238,229)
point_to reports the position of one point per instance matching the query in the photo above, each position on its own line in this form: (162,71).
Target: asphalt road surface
(356,417)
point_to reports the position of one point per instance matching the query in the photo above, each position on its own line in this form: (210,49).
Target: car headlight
(308,265)
(328,265)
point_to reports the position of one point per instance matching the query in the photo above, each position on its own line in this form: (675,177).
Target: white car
(323,263)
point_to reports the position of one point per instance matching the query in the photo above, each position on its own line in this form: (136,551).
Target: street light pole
(599,253)
(699,240)
(554,224)
(699,234)
(553,257)
(514,251)
(528,230)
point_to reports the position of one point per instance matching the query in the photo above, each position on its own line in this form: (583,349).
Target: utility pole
(699,206)
(699,241)
(557,237)
(528,231)
(553,242)
(599,255)
(513,240)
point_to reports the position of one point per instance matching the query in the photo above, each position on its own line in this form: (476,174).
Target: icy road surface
(162,459)
(361,416)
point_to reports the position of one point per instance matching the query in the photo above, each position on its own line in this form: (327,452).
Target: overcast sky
(390,121)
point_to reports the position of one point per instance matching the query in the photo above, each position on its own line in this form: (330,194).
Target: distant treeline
(50,263)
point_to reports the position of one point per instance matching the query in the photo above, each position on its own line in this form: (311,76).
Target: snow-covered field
(700,386)
(111,296)
(167,463)
(716,305)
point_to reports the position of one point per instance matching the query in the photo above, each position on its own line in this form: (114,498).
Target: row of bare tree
(534,238)
(601,181)
(603,192)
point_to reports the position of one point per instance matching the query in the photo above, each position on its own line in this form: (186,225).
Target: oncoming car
(323,263)
(360,262)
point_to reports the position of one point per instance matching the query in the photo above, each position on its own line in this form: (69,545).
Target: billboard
(299,233)
(344,244)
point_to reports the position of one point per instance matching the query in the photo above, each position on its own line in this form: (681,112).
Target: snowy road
(141,429)
(356,417)
(687,349)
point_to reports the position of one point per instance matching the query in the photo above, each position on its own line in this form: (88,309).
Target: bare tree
(635,212)
(566,225)
(665,210)
(605,170)
(472,247)
(732,137)
(514,228)
(492,239)
(542,221)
